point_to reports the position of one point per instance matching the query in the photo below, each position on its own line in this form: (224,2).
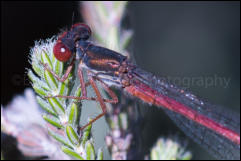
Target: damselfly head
(65,45)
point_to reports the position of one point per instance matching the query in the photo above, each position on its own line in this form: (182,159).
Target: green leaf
(86,134)
(36,81)
(58,66)
(60,139)
(63,88)
(90,150)
(37,68)
(39,90)
(56,106)
(71,153)
(45,106)
(52,121)
(74,113)
(50,80)
(72,135)
(100,154)
(45,59)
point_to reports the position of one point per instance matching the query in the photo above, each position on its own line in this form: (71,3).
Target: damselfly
(212,127)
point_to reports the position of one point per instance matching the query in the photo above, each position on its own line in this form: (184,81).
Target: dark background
(175,39)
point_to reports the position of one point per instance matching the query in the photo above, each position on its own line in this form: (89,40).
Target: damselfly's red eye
(61,52)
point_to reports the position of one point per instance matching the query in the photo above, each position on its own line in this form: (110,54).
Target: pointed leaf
(57,106)
(45,106)
(52,121)
(86,134)
(90,150)
(73,114)
(71,153)
(60,139)
(74,110)
(40,91)
(58,66)
(37,81)
(37,68)
(100,154)
(50,80)
(45,59)
(72,135)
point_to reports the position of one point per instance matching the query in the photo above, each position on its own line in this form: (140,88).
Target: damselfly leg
(92,79)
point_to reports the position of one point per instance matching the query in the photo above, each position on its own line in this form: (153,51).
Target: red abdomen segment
(149,95)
